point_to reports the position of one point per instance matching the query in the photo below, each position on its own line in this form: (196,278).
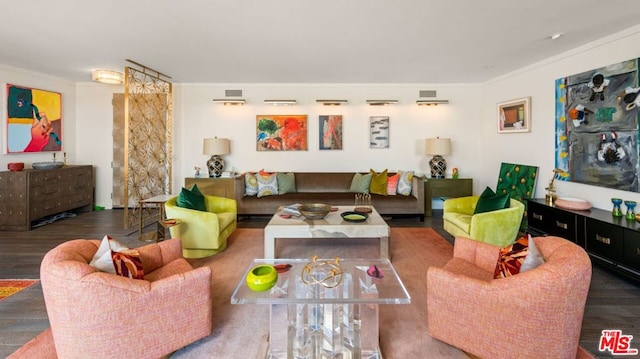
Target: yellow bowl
(262,278)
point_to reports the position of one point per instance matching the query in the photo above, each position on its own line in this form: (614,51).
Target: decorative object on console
(631,205)
(110,77)
(326,273)
(262,278)
(438,147)
(15,166)
(575,204)
(363,203)
(514,115)
(215,147)
(314,210)
(454,173)
(617,203)
(551,195)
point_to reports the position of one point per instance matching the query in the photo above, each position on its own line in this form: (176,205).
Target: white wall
(537,147)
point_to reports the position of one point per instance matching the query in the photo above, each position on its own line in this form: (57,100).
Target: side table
(158,203)
(445,187)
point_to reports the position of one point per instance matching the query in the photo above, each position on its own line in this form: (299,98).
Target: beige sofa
(332,188)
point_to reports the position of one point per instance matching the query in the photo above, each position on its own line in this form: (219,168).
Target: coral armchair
(203,234)
(499,227)
(534,314)
(95,314)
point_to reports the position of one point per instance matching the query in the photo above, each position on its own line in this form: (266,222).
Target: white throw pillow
(405,183)
(102,259)
(533,259)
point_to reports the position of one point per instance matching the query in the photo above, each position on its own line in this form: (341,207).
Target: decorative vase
(617,202)
(631,205)
(262,278)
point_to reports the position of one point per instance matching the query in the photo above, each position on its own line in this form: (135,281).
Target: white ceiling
(302,41)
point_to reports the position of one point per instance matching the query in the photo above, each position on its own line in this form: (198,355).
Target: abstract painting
(330,132)
(281,132)
(597,126)
(514,116)
(379,132)
(34,120)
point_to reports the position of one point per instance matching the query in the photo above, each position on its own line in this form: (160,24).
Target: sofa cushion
(361,183)
(405,183)
(267,185)
(378,183)
(225,219)
(392,184)
(286,182)
(490,201)
(460,220)
(191,198)
(250,184)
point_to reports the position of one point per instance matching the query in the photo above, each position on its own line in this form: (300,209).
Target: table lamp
(438,147)
(215,147)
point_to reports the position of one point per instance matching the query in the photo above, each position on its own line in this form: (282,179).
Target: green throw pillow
(490,201)
(286,182)
(378,182)
(192,199)
(360,183)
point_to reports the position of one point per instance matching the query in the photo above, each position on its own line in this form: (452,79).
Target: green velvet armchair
(499,227)
(203,234)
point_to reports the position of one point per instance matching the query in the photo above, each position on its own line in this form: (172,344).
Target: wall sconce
(432,102)
(281,102)
(438,147)
(381,102)
(230,101)
(108,77)
(215,147)
(332,102)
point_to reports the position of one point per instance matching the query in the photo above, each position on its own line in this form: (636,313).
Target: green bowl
(262,278)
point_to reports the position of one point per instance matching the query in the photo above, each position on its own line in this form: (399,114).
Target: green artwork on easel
(520,182)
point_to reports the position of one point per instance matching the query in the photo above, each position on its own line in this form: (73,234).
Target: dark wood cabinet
(29,195)
(444,187)
(611,241)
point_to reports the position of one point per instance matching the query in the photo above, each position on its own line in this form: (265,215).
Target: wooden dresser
(29,195)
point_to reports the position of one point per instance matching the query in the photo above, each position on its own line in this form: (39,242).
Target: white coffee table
(332,226)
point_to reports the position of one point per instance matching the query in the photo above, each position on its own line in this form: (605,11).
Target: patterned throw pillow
(127,263)
(286,182)
(519,257)
(267,185)
(250,184)
(392,184)
(378,182)
(104,261)
(360,183)
(405,183)
(192,199)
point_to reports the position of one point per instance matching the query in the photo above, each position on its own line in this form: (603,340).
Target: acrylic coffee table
(312,321)
(332,226)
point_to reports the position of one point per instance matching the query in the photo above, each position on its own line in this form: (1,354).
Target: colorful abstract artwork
(597,126)
(34,120)
(281,132)
(520,182)
(330,132)
(379,132)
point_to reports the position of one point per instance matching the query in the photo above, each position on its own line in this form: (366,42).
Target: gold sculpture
(326,273)
(551,196)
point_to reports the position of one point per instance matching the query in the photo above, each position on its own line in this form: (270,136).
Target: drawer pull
(605,240)
(562,225)
(537,216)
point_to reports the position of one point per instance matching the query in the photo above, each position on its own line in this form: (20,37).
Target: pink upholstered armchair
(102,315)
(534,314)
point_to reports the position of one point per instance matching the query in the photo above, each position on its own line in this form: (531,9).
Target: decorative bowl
(262,278)
(15,166)
(47,165)
(314,210)
(575,204)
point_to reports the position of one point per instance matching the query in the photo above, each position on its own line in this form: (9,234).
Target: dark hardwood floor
(613,302)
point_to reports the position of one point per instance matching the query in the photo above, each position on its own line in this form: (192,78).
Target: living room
(470,120)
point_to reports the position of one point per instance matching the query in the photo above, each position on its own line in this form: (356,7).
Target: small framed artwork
(514,116)
(281,133)
(330,132)
(379,132)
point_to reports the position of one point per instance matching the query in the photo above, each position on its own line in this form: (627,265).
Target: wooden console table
(211,186)
(445,187)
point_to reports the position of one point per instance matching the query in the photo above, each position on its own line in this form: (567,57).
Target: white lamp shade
(215,146)
(438,146)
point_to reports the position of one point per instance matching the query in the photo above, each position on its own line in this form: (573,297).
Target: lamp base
(215,164)
(438,166)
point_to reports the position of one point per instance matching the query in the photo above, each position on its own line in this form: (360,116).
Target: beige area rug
(241,331)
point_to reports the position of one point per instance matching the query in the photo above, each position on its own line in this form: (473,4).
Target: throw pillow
(489,201)
(250,184)
(286,182)
(511,258)
(267,185)
(533,259)
(103,260)
(360,183)
(378,182)
(127,263)
(192,199)
(405,183)
(392,184)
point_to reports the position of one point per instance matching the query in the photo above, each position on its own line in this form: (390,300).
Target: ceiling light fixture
(556,36)
(432,102)
(230,101)
(332,102)
(108,76)
(381,102)
(281,102)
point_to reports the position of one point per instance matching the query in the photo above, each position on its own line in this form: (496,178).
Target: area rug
(9,287)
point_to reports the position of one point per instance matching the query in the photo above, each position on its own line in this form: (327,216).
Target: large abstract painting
(281,132)
(597,126)
(34,120)
(330,132)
